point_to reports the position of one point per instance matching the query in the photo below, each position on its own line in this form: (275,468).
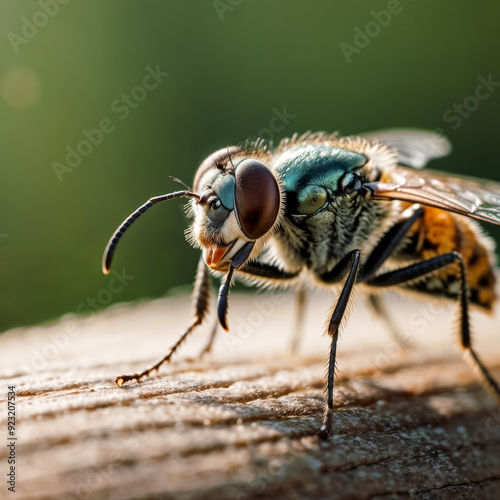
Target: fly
(338,212)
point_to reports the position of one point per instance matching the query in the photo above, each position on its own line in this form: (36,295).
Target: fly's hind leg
(201,301)
(377,305)
(421,269)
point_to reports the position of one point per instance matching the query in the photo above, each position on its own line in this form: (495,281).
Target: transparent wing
(415,147)
(476,198)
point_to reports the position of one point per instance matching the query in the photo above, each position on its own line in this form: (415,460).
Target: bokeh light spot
(20,87)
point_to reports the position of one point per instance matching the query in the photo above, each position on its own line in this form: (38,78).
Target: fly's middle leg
(374,262)
(352,259)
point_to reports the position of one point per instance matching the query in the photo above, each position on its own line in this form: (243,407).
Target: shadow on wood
(242,423)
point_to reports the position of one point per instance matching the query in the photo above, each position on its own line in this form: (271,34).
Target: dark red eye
(256,198)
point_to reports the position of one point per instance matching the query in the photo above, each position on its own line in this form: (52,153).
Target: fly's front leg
(421,269)
(267,272)
(353,259)
(201,301)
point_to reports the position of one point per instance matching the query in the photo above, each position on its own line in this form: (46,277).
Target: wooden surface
(241,424)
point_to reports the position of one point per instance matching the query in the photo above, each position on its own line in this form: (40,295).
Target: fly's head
(240,204)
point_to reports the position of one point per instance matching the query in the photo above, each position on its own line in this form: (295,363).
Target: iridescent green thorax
(322,223)
(312,164)
(304,167)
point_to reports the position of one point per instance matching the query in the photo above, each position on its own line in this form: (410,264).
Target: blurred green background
(231,65)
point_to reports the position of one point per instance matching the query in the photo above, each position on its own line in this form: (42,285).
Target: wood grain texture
(241,423)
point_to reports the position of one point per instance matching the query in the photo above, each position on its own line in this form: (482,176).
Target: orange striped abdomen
(439,232)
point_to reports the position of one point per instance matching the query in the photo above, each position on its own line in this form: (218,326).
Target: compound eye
(256,198)
(351,184)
